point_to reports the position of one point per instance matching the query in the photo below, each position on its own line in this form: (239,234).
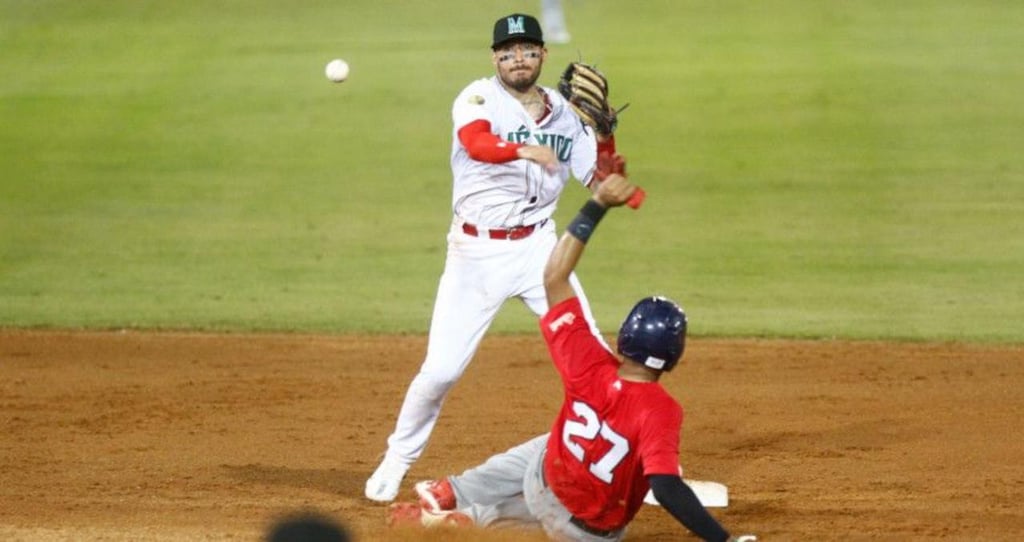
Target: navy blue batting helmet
(654,333)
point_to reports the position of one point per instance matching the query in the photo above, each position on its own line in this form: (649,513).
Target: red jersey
(610,433)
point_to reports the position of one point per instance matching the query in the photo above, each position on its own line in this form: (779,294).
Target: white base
(711,494)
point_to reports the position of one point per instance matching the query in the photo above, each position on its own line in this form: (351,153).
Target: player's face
(518,64)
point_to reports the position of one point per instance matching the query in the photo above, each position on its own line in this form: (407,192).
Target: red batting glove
(607,164)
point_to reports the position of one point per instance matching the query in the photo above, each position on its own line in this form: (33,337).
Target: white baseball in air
(337,70)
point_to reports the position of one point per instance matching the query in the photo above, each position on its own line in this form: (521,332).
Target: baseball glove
(586,89)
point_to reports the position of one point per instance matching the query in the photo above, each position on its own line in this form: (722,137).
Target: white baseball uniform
(499,242)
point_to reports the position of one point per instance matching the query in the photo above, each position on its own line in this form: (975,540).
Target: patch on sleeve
(476,99)
(562,320)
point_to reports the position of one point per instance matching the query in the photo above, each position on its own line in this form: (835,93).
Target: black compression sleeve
(679,500)
(583,225)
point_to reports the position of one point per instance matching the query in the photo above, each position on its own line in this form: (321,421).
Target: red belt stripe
(512,234)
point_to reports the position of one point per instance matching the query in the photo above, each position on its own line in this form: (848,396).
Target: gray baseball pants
(508,490)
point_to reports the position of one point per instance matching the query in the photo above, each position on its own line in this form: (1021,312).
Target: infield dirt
(183,436)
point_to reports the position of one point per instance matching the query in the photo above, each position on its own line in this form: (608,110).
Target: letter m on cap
(515,25)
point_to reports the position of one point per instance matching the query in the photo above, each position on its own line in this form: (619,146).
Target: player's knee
(433,385)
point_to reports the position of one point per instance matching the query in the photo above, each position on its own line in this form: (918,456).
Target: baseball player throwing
(615,437)
(515,145)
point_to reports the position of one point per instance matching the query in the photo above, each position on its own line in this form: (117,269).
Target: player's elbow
(556,284)
(553,276)
(560,264)
(478,152)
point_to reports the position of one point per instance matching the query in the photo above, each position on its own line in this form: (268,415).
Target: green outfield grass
(815,169)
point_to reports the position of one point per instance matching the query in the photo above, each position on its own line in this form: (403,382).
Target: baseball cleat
(445,519)
(385,482)
(408,514)
(405,514)
(436,495)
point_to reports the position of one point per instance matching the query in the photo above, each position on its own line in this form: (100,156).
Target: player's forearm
(567,252)
(561,262)
(679,500)
(483,146)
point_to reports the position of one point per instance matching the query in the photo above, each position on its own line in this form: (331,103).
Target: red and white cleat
(436,495)
(446,519)
(409,514)
(405,514)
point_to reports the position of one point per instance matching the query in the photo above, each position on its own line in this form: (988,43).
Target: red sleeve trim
(483,146)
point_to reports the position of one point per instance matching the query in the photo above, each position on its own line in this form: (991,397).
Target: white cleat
(385,482)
